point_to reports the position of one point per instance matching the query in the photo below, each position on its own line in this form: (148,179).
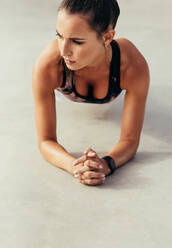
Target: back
(45,78)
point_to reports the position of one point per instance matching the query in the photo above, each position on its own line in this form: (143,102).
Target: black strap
(111,163)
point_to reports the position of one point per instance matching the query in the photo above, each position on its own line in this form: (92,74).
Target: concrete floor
(42,206)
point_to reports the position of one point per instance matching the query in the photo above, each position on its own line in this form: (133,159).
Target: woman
(86,64)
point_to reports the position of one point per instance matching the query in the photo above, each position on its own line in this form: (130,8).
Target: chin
(74,67)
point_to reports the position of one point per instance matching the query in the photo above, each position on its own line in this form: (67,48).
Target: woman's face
(77,42)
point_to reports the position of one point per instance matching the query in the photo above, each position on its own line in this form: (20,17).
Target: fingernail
(100,166)
(76,175)
(103,175)
(91,153)
(75,172)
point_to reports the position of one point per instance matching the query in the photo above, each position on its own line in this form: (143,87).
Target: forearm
(57,155)
(123,151)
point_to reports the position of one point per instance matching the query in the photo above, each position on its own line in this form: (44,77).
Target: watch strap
(111,163)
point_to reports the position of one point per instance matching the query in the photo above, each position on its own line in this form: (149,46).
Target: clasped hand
(90,169)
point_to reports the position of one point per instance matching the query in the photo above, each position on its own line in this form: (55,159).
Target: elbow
(134,144)
(135,148)
(40,148)
(41,145)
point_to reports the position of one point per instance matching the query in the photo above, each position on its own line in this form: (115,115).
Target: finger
(81,170)
(87,172)
(93,163)
(87,150)
(91,155)
(90,152)
(80,160)
(84,158)
(92,175)
(92,181)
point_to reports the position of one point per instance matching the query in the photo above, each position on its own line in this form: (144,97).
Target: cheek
(82,53)
(86,54)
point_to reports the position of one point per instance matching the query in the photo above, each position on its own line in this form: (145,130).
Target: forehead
(72,24)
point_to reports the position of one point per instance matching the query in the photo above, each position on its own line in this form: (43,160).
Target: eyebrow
(72,38)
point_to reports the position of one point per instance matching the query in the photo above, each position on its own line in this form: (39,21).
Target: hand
(90,169)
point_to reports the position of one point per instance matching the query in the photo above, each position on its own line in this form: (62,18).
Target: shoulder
(134,67)
(47,63)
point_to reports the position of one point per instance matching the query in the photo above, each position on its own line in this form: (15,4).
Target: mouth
(69,61)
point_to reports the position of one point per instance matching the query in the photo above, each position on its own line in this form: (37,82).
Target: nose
(66,50)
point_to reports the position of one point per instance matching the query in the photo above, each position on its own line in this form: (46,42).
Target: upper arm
(137,86)
(43,85)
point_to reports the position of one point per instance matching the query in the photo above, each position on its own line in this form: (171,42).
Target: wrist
(110,163)
(107,170)
(71,168)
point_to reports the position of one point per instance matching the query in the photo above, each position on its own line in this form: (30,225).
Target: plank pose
(86,64)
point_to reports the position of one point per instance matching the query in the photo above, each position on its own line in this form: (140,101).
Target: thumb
(90,152)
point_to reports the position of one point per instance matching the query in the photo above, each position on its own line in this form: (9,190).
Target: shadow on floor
(131,175)
(157,122)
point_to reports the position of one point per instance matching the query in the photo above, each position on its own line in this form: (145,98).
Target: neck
(102,64)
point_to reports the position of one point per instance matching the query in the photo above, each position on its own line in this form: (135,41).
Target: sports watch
(111,163)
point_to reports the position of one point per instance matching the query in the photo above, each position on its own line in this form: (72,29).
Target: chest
(92,87)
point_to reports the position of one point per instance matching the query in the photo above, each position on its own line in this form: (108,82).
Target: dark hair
(99,13)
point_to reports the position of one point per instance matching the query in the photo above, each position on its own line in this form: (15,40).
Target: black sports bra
(68,86)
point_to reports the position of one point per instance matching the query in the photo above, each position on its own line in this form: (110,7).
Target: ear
(108,37)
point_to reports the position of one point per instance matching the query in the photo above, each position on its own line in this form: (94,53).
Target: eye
(74,41)
(77,42)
